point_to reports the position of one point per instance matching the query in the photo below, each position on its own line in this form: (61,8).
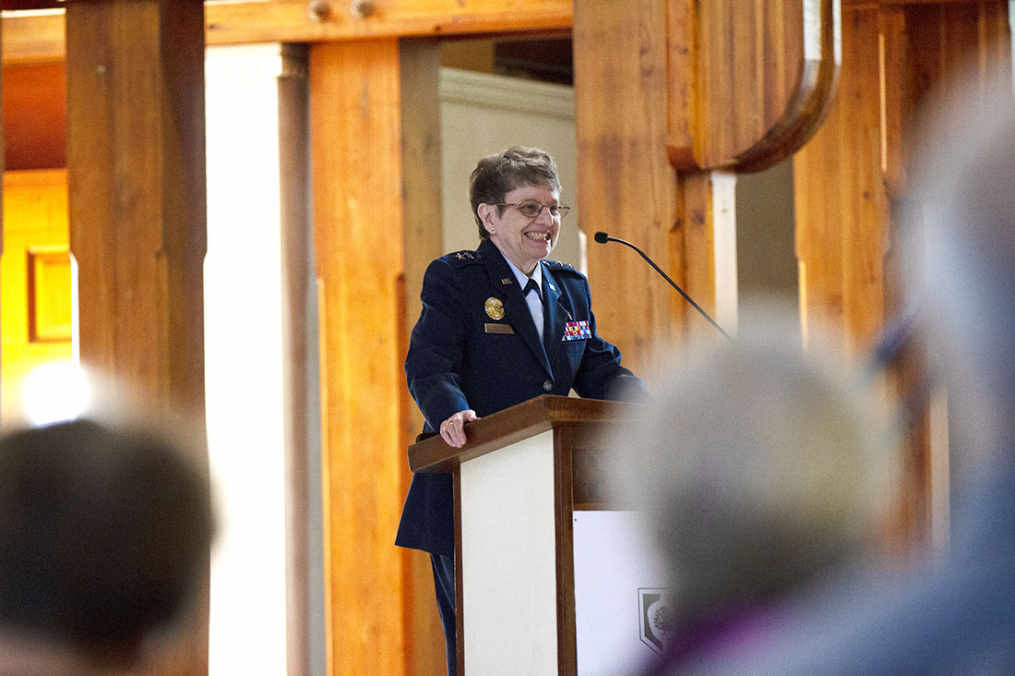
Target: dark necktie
(532,286)
(537,308)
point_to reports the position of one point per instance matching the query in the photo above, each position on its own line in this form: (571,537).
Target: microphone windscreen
(602,237)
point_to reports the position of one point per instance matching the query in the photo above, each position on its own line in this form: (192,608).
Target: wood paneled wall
(668,86)
(852,177)
(136,172)
(376,226)
(626,185)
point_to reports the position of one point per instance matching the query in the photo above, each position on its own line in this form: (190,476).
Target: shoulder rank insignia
(465,256)
(558,265)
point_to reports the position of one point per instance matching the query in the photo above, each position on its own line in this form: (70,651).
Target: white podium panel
(618,585)
(508,514)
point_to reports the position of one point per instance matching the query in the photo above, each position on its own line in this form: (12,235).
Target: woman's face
(522,239)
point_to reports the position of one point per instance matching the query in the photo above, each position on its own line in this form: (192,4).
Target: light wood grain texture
(370,207)
(41,36)
(854,177)
(750,81)
(873,4)
(841,207)
(136,172)
(697,219)
(626,186)
(419,64)
(895,58)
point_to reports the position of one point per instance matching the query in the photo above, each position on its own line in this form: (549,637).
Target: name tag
(498,328)
(577,331)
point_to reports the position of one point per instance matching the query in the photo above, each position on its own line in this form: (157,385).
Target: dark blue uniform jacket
(463,356)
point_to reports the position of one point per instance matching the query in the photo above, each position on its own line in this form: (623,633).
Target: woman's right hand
(453,429)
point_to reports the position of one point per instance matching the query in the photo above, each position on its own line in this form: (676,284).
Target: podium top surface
(514,424)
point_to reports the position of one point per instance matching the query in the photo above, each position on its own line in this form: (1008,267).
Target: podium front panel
(509,572)
(621,595)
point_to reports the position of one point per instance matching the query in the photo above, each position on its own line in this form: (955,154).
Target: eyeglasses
(532,208)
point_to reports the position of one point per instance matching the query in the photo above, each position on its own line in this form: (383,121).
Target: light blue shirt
(531,299)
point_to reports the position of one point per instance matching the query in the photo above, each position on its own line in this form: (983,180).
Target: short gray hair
(759,469)
(497,175)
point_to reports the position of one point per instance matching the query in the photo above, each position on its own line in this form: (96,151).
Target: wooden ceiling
(30,4)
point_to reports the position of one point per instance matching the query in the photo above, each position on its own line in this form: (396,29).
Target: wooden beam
(851,179)
(419,65)
(626,185)
(136,172)
(376,218)
(750,82)
(35,36)
(874,4)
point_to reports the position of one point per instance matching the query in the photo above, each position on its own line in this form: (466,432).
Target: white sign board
(619,583)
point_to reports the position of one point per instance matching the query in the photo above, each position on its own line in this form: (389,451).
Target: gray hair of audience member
(759,470)
(104,536)
(960,255)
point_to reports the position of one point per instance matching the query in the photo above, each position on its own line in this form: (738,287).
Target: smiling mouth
(538,236)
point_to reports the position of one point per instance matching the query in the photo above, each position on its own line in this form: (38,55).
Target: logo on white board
(655,617)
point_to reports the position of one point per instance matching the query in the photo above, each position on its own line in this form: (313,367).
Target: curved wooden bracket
(749,83)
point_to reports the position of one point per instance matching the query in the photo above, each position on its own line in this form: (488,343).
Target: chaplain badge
(494,308)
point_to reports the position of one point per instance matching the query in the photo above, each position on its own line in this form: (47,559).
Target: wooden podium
(517,482)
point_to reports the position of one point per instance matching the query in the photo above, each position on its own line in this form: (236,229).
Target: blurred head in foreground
(104,535)
(960,251)
(760,470)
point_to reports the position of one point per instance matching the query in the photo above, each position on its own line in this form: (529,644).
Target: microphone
(602,238)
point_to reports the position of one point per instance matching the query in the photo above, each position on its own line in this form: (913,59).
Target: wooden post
(721,86)
(136,173)
(626,185)
(376,225)
(853,176)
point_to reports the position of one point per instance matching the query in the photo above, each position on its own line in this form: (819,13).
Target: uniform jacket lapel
(516,311)
(556,314)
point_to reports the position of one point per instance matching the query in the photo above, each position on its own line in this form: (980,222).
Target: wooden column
(375,154)
(626,185)
(136,173)
(852,178)
(672,97)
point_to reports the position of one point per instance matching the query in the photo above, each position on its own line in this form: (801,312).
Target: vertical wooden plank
(564,439)
(700,212)
(840,202)
(626,185)
(293,168)
(136,172)
(362,195)
(763,74)
(419,62)
(896,58)
(681,92)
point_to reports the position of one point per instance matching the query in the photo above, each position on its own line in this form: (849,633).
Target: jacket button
(548,386)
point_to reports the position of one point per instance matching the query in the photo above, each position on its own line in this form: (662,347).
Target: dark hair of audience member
(104,534)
